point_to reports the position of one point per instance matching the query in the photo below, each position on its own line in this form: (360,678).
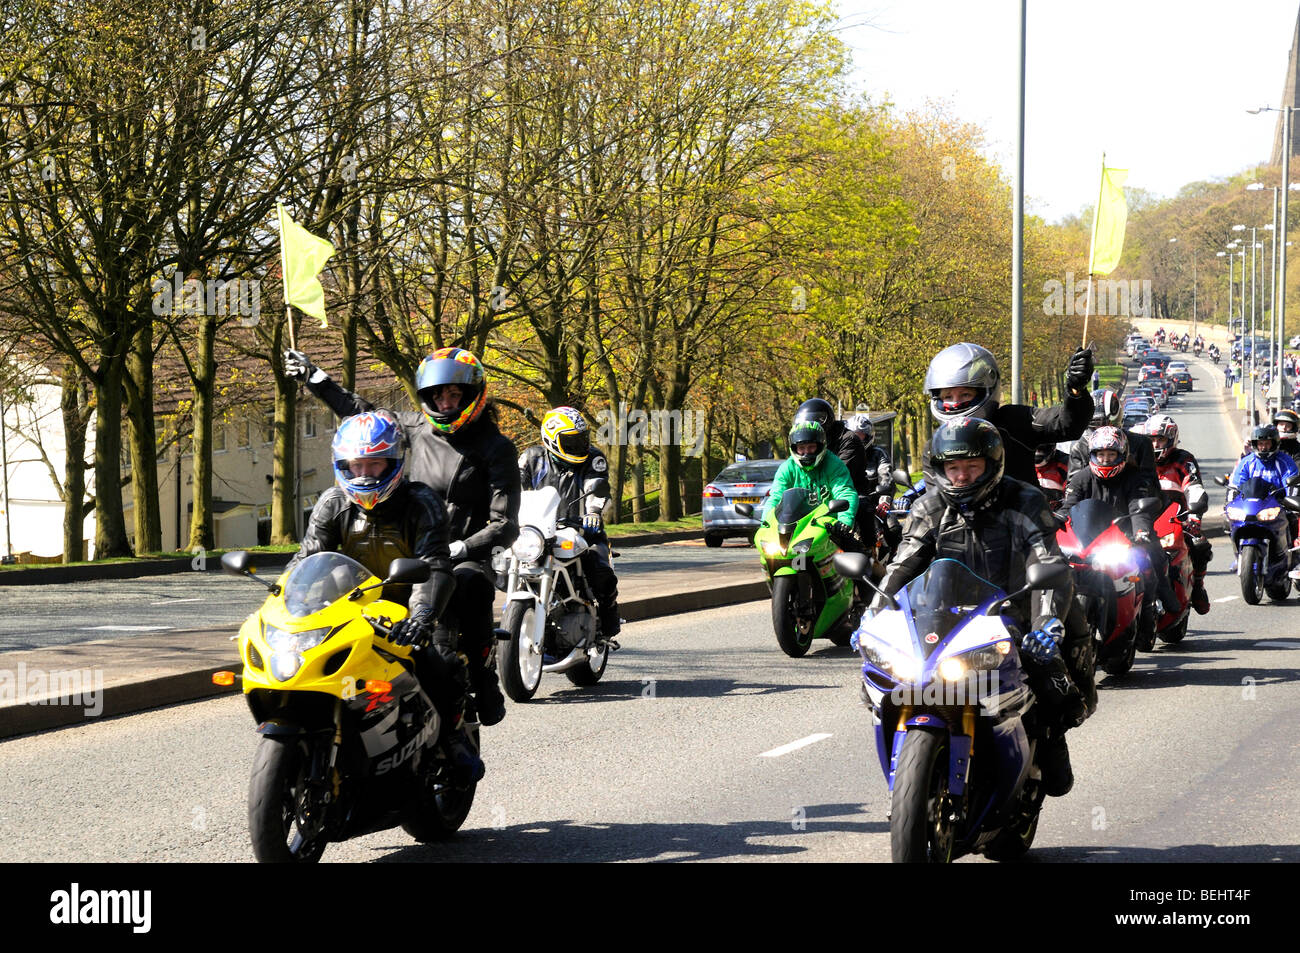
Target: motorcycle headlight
(1111,557)
(955,667)
(903,668)
(1167,540)
(1236,512)
(530,545)
(773,548)
(1271,513)
(287,649)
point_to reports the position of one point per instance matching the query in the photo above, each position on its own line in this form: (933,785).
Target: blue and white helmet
(963,365)
(370,436)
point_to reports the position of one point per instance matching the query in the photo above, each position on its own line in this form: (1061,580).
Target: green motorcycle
(809,599)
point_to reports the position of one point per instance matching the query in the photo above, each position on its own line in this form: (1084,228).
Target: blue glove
(592,522)
(1043,644)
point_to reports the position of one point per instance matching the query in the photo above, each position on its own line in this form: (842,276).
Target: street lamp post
(1280,272)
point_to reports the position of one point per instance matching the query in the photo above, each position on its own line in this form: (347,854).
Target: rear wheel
(1252,583)
(521,668)
(920,831)
(286,814)
(1014,841)
(589,674)
(785,593)
(1279,591)
(441,806)
(1175,633)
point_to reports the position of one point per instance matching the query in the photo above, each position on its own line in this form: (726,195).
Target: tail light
(711,491)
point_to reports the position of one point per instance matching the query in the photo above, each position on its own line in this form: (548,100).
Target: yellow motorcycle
(350,740)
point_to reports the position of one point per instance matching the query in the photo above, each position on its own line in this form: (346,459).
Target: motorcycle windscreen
(540,508)
(321,580)
(793,507)
(944,596)
(1089,519)
(1257,488)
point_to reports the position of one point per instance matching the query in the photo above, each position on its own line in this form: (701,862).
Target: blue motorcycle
(942,674)
(1261,536)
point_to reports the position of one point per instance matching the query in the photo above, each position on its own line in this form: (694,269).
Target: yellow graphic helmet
(565,436)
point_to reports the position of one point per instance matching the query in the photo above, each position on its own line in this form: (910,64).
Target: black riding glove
(412,632)
(1079,374)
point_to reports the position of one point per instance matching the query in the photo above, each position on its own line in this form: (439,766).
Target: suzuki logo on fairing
(408,749)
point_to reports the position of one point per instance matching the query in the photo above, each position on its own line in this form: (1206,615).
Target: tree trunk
(638,484)
(144,442)
(110,523)
(73,407)
(284,503)
(201,528)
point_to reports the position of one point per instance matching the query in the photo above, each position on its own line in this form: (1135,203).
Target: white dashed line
(172,602)
(126,628)
(795,745)
(1224,599)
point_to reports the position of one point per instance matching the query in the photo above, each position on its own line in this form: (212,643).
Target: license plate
(747,499)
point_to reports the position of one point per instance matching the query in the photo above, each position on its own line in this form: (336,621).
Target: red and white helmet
(1162,428)
(1108,438)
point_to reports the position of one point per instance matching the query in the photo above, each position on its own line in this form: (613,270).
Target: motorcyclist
(997,526)
(463,456)
(1268,463)
(1107,412)
(1287,423)
(823,474)
(963,381)
(567,461)
(1180,482)
(846,445)
(1052,467)
(375,515)
(1110,477)
(879,470)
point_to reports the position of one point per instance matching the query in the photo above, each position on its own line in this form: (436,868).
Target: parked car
(745,482)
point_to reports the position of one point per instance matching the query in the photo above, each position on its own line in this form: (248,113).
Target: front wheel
(1175,633)
(920,831)
(521,668)
(785,593)
(713,540)
(1252,583)
(286,817)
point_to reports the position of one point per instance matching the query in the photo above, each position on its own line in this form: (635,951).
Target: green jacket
(829,480)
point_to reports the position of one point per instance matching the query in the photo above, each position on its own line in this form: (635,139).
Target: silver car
(746,482)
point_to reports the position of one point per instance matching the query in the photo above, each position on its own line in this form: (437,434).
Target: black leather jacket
(1023,429)
(848,446)
(1014,530)
(411,524)
(474,471)
(537,469)
(1121,492)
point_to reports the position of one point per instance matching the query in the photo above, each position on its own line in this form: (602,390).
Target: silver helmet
(963,365)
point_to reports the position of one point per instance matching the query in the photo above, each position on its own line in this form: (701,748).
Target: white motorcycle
(550,622)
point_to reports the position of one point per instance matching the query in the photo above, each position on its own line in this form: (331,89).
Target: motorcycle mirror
(1148,505)
(240,563)
(1222,481)
(1291,503)
(407,572)
(744,509)
(237,562)
(901,477)
(857,566)
(1199,505)
(1294,481)
(837,506)
(1037,576)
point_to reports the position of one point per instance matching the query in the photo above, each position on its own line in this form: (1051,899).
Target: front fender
(278,727)
(959,748)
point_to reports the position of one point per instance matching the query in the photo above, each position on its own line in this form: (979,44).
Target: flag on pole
(1108,222)
(302,256)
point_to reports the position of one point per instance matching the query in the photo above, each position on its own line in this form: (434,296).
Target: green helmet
(802,432)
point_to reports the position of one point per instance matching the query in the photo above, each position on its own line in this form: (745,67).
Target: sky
(1161,86)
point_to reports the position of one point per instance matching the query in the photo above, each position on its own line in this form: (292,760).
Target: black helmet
(1043,452)
(1287,417)
(966,438)
(815,409)
(1264,432)
(805,431)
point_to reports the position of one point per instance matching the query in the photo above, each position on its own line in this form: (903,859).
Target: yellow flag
(1108,223)
(302,256)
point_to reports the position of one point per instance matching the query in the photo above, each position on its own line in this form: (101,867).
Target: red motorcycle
(1108,581)
(1172,626)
